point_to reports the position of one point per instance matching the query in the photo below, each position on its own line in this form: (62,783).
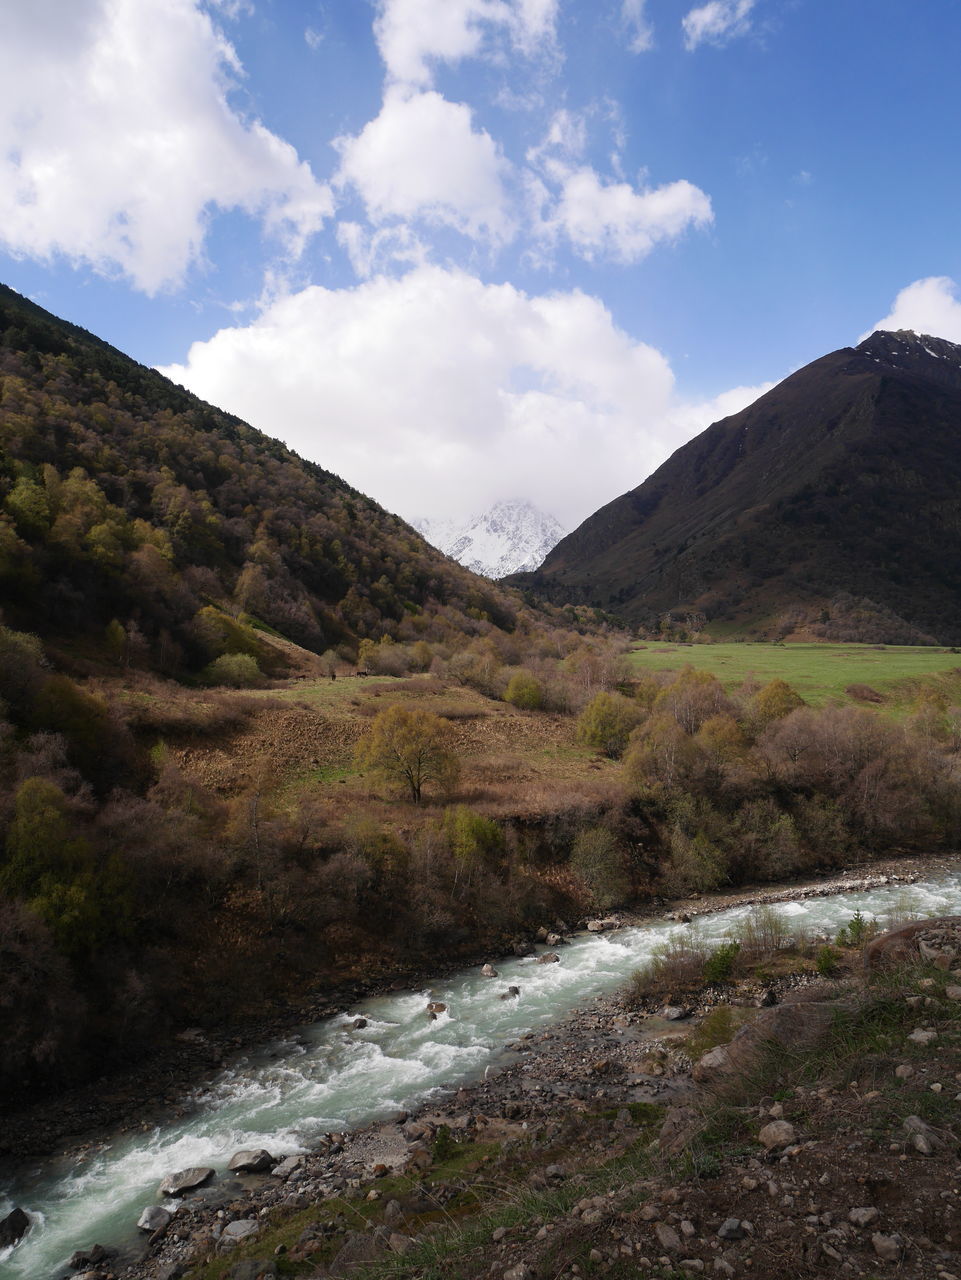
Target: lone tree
(412,749)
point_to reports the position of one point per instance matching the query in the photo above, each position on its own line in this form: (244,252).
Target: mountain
(840,489)
(128,506)
(512,537)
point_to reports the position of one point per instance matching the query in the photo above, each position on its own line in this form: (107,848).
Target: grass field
(820,672)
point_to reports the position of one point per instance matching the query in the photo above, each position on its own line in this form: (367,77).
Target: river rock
(250,1161)
(887,1248)
(287,1166)
(922,1137)
(85,1259)
(435,1007)
(863,1216)
(178,1184)
(240,1229)
(777,1134)
(673,1012)
(154,1218)
(488,971)
(358,1024)
(13,1228)
(510,993)
(549,957)
(667,1237)
(553,939)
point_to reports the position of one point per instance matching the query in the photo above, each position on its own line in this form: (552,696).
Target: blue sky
(462,250)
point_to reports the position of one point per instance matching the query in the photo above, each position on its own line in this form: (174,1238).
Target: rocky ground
(822,1140)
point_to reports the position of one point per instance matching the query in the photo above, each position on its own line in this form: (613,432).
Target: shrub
(721,963)
(524,690)
(236,670)
(826,961)
(600,864)
(857,931)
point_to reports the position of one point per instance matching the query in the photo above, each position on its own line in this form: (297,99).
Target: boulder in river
(488,971)
(435,1007)
(154,1218)
(549,957)
(358,1024)
(178,1184)
(510,994)
(13,1227)
(250,1161)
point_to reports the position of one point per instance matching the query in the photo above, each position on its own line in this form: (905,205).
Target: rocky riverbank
(604,1056)
(855,1171)
(148,1092)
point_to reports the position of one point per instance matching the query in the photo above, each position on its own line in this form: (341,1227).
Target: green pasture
(819,672)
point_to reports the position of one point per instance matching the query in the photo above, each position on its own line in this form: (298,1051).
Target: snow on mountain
(511,537)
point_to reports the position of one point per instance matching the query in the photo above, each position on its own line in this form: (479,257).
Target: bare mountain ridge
(844,478)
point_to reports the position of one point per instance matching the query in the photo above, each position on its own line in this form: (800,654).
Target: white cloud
(717,22)
(422,158)
(438,394)
(614,219)
(927,306)
(636,23)
(413,34)
(117,140)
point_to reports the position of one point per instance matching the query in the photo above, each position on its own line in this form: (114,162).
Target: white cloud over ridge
(117,140)
(422,158)
(438,394)
(928,306)
(717,22)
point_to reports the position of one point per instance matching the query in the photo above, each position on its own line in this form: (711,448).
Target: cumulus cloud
(421,157)
(717,22)
(438,394)
(414,34)
(117,140)
(635,21)
(615,220)
(927,306)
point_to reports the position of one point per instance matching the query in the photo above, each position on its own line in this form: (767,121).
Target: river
(328,1076)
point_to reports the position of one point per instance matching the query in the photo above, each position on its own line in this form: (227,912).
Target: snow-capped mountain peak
(512,537)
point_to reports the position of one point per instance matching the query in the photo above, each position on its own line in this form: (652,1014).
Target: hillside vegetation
(127,503)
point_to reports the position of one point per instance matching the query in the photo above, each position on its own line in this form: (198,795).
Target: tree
(776,700)
(412,749)
(606,723)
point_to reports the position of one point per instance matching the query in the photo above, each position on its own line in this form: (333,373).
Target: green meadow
(821,673)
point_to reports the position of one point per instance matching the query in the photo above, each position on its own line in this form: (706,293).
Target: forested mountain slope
(125,499)
(844,479)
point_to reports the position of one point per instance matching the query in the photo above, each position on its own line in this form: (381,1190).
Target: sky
(459,251)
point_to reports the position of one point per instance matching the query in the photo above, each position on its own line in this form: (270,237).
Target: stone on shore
(178,1184)
(154,1218)
(239,1229)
